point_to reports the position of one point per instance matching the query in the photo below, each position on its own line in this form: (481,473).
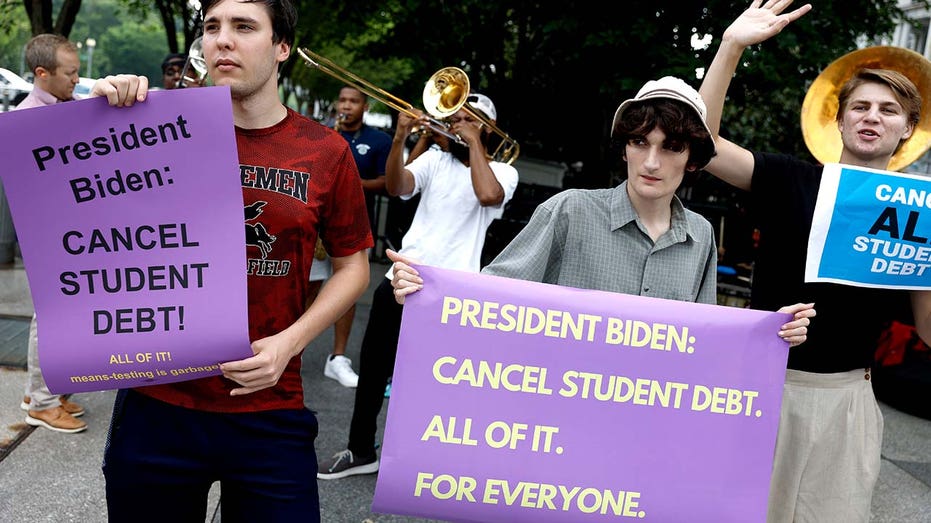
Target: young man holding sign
(249,429)
(830,434)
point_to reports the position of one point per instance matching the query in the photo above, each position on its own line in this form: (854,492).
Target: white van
(13,88)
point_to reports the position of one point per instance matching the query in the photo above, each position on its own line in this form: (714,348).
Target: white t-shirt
(449,226)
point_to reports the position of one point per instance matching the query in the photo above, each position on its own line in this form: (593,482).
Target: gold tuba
(819,109)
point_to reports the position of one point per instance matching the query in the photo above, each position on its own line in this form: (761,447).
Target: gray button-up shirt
(593,239)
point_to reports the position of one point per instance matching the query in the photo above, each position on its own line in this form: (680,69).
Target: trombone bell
(446,92)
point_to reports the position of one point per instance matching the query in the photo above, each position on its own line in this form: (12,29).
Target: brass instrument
(195,67)
(819,109)
(338,121)
(444,94)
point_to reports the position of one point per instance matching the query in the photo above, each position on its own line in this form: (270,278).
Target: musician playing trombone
(827,457)
(462,191)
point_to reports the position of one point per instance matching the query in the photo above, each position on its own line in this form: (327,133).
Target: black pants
(161,460)
(376,365)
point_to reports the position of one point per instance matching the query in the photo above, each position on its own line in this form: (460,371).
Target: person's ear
(41,72)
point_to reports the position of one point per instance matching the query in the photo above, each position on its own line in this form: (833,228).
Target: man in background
(172,67)
(370,149)
(54,63)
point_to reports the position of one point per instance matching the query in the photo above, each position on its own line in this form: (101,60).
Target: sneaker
(55,419)
(70,407)
(340,369)
(344,464)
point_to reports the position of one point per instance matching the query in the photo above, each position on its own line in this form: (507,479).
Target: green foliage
(14,33)
(125,44)
(556,70)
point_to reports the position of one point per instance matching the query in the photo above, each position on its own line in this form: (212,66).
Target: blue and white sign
(871,228)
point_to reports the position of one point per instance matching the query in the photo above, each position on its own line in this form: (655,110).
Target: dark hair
(678,121)
(42,51)
(902,88)
(365,96)
(173,58)
(282,13)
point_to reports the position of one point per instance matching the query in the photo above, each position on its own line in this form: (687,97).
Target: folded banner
(526,402)
(130,222)
(868,229)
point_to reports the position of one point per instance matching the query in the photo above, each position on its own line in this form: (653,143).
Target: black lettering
(81,188)
(130,139)
(888,221)
(910,225)
(106,318)
(70,286)
(82,151)
(67,245)
(42,155)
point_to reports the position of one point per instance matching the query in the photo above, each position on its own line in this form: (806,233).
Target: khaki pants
(36,389)
(827,449)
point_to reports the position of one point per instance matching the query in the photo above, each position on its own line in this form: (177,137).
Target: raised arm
(485,185)
(398,180)
(733,163)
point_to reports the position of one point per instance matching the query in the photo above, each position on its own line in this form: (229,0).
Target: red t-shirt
(298,177)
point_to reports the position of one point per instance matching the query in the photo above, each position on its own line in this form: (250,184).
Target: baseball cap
(483,104)
(172,59)
(671,88)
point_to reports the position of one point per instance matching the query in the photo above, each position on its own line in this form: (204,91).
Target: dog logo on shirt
(256,233)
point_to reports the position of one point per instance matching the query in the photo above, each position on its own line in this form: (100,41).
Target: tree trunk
(66,16)
(40,15)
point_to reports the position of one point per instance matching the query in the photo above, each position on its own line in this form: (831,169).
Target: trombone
(444,94)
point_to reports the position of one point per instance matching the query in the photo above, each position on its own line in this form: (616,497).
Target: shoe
(70,407)
(388,389)
(344,464)
(340,369)
(56,419)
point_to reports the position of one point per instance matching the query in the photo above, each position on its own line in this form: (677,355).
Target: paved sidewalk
(68,465)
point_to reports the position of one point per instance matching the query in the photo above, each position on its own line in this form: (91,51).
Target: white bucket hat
(671,88)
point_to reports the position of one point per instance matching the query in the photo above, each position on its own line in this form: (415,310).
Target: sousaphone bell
(819,109)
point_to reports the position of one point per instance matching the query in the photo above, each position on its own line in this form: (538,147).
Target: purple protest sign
(519,401)
(130,221)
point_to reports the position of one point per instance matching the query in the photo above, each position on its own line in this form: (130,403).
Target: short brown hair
(902,88)
(42,51)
